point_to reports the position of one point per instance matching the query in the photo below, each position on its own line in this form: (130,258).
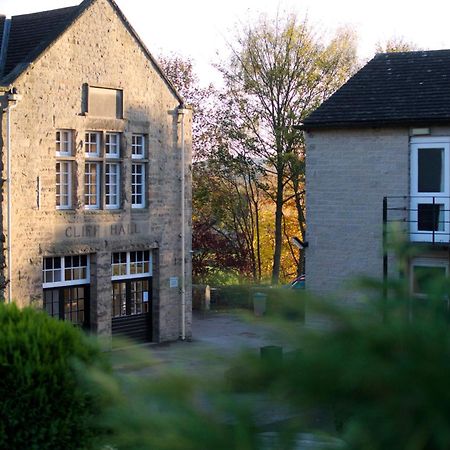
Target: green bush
(43,402)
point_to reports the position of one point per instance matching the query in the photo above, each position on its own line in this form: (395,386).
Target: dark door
(131,309)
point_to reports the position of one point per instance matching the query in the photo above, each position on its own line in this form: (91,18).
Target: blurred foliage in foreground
(43,403)
(377,378)
(371,378)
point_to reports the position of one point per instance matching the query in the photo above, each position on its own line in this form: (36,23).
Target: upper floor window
(112,145)
(64,143)
(102,176)
(92,141)
(137,146)
(64,169)
(430,189)
(138,171)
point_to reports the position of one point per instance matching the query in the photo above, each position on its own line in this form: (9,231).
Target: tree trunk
(278,229)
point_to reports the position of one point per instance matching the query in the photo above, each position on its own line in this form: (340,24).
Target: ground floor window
(131,297)
(66,288)
(70,303)
(131,282)
(424,271)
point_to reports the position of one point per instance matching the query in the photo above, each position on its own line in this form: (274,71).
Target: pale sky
(200,28)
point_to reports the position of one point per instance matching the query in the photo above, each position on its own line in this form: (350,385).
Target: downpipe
(181,112)
(12,97)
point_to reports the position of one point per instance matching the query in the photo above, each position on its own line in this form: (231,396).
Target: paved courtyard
(217,337)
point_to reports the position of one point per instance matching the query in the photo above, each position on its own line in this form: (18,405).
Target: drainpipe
(181,112)
(12,97)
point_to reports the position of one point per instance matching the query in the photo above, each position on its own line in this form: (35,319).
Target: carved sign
(101,231)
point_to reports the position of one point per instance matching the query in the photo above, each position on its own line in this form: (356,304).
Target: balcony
(423,218)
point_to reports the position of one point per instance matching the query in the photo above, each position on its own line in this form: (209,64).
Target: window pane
(91,186)
(92,143)
(137,146)
(431,169)
(112,145)
(430,217)
(138,185)
(63,143)
(63,184)
(112,185)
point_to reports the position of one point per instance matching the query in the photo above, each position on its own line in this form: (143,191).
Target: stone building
(96,157)
(378,157)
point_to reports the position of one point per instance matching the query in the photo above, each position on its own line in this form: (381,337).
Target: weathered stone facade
(99,50)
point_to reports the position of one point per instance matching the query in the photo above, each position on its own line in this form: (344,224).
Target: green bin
(259,303)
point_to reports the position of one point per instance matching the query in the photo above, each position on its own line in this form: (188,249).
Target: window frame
(88,142)
(417,199)
(65,157)
(128,275)
(63,282)
(143,185)
(108,135)
(59,141)
(426,262)
(117,185)
(142,154)
(98,184)
(69,185)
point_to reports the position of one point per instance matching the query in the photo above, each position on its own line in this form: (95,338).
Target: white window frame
(135,146)
(426,262)
(69,164)
(109,144)
(143,185)
(89,143)
(63,282)
(128,275)
(97,184)
(65,140)
(116,186)
(418,198)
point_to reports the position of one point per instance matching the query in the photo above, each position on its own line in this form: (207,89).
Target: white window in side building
(430,189)
(102,170)
(64,169)
(66,288)
(425,271)
(131,274)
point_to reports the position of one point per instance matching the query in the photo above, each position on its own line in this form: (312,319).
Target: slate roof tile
(31,32)
(391,89)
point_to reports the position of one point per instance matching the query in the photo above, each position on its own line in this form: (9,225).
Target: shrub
(43,402)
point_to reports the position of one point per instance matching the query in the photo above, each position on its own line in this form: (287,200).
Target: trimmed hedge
(43,403)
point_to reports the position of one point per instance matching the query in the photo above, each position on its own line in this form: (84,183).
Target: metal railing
(422,218)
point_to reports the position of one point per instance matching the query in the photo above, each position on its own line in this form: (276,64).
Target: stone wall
(98,50)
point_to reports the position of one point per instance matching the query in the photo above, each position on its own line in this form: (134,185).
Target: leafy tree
(395,45)
(181,73)
(279,71)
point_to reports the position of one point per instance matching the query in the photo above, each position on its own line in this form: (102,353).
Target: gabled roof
(31,35)
(406,88)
